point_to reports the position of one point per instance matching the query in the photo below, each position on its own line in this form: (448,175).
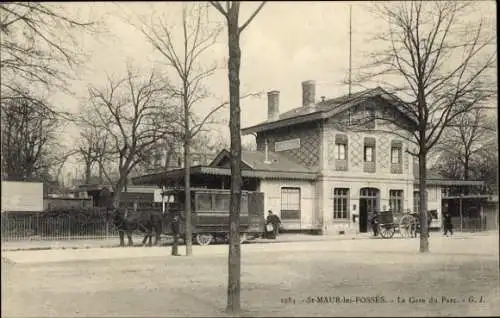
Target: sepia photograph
(249,159)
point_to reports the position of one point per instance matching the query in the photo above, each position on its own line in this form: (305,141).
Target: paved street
(288,279)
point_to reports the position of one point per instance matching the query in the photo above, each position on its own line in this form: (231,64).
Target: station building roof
(329,108)
(254,165)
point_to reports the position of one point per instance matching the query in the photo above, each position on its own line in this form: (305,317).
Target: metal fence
(33,227)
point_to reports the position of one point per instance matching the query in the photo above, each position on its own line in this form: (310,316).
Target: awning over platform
(434,178)
(168,176)
(443,182)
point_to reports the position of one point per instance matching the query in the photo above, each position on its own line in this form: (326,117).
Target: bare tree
(28,138)
(184,55)
(230,11)
(92,147)
(440,61)
(135,112)
(39,46)
(486,166)
(464,142)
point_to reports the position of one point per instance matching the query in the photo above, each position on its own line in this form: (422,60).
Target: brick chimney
(308,93)
(273,104)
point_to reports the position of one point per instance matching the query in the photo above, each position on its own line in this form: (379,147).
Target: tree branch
(240,29)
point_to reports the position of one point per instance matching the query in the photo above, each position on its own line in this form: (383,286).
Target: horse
(127,221)
(414,230)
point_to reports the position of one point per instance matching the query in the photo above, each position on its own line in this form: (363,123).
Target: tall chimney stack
(308,93)
(273,103)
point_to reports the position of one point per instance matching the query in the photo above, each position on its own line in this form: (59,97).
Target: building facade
(358,146)
(326,166)
(361,166)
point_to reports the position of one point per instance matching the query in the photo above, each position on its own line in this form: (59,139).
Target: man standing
(175,225)
(275,222)
(374,222)
(447,225)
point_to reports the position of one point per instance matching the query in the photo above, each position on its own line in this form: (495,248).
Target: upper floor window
(369,149)
(395,155)
(368,156)
(340,151)
(340,147)
(396,152)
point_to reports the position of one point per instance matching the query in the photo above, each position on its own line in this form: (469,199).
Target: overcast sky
(287,43)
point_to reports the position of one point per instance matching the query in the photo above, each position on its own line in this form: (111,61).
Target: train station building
(325,166)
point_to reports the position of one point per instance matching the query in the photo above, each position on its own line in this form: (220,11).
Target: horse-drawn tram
(210,213)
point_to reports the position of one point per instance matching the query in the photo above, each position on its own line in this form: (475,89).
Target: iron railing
(34,227)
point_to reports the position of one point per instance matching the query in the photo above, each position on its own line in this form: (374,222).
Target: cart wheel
(404,231)
(387,231)
(204,239)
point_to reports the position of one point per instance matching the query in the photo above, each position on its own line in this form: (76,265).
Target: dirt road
(330,278)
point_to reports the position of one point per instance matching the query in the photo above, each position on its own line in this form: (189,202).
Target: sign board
(158,197)
(287,145)
(18,196)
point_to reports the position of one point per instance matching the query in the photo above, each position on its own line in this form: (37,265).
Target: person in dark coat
(175,224)
(374,221)
(275,221)
(447,225)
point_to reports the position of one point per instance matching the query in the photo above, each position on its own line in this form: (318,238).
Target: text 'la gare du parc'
(383,300)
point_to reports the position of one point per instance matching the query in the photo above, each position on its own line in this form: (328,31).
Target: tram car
(210,213)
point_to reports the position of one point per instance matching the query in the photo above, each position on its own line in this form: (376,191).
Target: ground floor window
(290,203)
(340,203)
(396,200)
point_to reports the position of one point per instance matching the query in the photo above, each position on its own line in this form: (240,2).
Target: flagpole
(350,47)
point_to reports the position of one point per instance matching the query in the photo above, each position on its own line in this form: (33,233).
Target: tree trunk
(187,185)
(166,164)
(234,262)
(101,175)
(466,172)
(424,230)
(117,196)
(88,167)
(117,191)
